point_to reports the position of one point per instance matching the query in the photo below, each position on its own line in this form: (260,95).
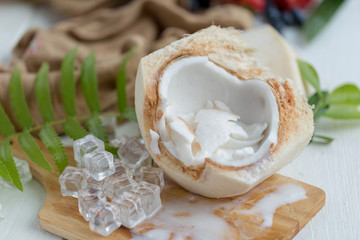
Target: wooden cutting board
(60,214)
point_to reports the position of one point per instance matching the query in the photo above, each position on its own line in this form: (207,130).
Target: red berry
(256,5)
(291,4)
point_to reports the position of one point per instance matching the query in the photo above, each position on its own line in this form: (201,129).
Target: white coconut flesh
(206,112)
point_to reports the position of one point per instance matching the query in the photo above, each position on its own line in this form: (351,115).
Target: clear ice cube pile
(86,145)
(99,164)
(132,185)
(130,207)
(149,195)
(70,181)
(118,183)
(105,218)
(88,198)
(24,173)
(152,175)
(134,155)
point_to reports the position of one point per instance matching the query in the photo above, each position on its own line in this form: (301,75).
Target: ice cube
(118,183)
(151,175)
(86,145)
(89,182)
(118,142)
(5,183)
(24,173)
(89,198)
(131,210)
(2,216)
(99,164)
(24,170)
(105,218)
(70,181)
(149,195)
(120,168)
(134,154)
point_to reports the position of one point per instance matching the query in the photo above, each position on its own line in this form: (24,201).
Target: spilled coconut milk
(191,217)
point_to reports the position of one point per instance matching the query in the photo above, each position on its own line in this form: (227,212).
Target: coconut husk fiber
(109,32)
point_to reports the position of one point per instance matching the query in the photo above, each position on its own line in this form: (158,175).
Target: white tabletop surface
(335,168)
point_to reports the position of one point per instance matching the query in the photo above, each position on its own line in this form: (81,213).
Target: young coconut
(215,120)
(280,57)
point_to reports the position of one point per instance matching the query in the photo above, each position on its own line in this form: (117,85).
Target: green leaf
(346,94)
(320,103)
(6,127)
(111,149)
(42,92)
(4,173)
(317,99)
(95,126)
(56,148)
(320,111)
(68,89)
(73,129)
(342,112)
(321,139)
(129,114)
(320,17)
(309,74)
(18,102)
(7,158)
(89,83)
(30,147)
(121,82)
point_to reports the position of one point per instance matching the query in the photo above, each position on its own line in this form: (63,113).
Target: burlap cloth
(148,24)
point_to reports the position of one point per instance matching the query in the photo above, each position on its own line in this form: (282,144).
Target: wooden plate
(60,214)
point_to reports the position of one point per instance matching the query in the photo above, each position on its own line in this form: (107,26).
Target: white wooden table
(334,168)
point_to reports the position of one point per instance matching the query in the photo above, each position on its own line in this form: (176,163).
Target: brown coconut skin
(226,48)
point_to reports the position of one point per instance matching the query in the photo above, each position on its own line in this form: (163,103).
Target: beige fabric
(109,32)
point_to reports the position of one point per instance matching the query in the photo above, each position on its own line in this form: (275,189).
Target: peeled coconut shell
(227,48)
(275,53)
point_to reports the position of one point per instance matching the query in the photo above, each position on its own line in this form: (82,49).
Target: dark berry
(204,3)
(274,16)
(288,18)
(299,16)
(194,5)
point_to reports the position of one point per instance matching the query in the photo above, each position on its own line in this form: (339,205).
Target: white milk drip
(188,218)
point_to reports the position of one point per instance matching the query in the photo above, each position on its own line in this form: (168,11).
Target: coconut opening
(205,112)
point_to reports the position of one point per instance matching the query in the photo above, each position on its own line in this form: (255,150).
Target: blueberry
(288,18)
(294,17)
(194,5)
(299,16)
(204,3)
(274,16)
(198,4)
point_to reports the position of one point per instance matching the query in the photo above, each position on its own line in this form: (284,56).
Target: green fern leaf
(6,127)
(56,148)
(4,173)
(121,82)
(42,92)
(89,83)
(96,127)
(129,114)
(7,158)
(111,149)
(73,129)
(30,147)
(68,89)
(18,102)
